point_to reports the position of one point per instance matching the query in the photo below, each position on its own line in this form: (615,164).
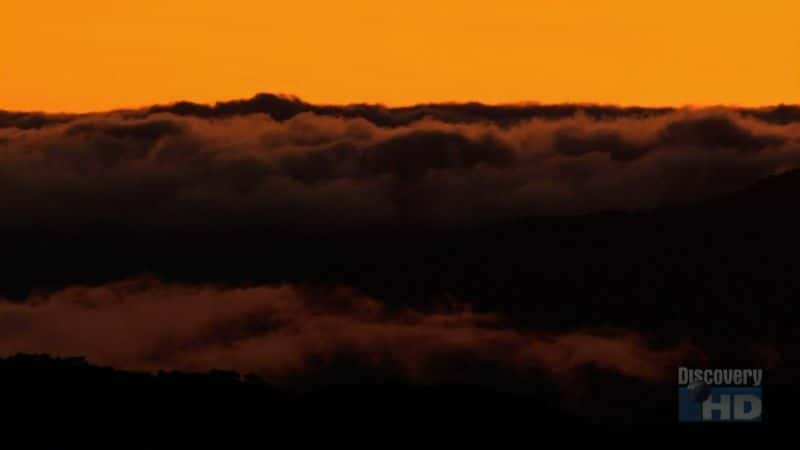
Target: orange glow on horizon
(88,55)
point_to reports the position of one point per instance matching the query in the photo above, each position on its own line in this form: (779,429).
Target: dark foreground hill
(90,401)
(52,390)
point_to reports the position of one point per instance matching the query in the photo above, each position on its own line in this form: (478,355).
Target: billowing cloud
(289,331)
(252,212)
(177,166)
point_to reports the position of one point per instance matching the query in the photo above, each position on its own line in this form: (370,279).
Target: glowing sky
(94,54)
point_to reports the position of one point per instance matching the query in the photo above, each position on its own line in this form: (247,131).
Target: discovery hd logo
(720,395)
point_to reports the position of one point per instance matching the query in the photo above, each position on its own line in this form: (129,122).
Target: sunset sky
(91,55)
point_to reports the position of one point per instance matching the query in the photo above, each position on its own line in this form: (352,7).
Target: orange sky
(84,55)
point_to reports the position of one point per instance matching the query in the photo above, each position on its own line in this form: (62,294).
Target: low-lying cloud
(289,331)
(179,166)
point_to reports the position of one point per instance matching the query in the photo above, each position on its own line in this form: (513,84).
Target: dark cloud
(781,114)
(32,120)
(282,107)
(311,169)
(148,131)
(572,142)
(717,132)
(285,107)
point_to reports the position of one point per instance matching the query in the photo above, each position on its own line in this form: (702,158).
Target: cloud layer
(187,165)
(289,331)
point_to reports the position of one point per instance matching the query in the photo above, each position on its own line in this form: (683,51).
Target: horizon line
(390,106)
